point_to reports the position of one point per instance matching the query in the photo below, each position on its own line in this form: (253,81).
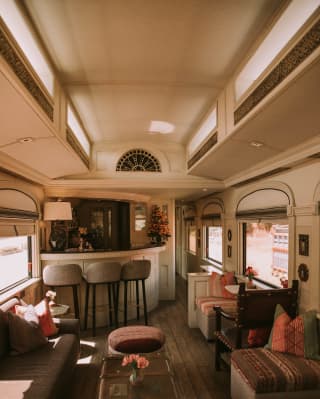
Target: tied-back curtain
(18,213)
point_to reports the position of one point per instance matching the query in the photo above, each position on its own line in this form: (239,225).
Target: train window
(214,243)
(265,248)
(15,259)
(191,236)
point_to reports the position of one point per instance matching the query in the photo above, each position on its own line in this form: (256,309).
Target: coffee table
(158,380)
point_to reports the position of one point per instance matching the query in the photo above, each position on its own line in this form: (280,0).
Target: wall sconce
(55,212)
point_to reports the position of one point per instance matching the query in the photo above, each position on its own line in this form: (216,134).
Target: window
(140,218)
(15,260)
(20,30)
(284,29)
(214,243)
(266,249)
(191,236)
(75,126)
(207,127)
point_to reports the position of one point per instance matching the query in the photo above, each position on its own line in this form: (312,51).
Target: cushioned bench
(219,296)
(289,365)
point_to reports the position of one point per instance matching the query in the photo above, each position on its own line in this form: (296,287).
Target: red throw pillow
(218,282)
(45,319)
(258,336)
(42,310)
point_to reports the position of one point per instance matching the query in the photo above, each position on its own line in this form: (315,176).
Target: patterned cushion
(258,336)
(217,283)
(269,371)
(206,304)
(298,337)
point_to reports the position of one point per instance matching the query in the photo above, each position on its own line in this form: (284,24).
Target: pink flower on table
(250,272)
(135,361)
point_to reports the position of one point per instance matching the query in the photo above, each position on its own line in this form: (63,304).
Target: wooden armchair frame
(255,309)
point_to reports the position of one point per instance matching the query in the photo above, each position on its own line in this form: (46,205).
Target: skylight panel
(14,20)
(292,19)
(77,130)
(204,131)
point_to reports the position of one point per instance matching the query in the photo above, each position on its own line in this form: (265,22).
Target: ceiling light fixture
(161,127)
(26,140)
(256,144)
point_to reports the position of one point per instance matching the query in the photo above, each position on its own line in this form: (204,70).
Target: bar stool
(68,275)
(102,273)
(136,270)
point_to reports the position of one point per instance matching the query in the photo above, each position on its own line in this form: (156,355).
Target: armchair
(254,313)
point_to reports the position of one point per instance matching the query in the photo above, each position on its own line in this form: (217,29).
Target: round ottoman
(135,339)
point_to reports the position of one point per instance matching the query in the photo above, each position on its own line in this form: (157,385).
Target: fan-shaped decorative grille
(138,160)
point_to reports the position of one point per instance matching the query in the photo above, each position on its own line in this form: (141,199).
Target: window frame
(190,223)
(206,249)
(243,225)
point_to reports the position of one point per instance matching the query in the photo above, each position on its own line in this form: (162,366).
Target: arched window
(138,160)
(265,234)
(18,215)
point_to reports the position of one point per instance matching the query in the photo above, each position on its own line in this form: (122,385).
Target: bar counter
(86,257)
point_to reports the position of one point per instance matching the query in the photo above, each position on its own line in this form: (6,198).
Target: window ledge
(17,289)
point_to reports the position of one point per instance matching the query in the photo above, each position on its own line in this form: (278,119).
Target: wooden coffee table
(158,380)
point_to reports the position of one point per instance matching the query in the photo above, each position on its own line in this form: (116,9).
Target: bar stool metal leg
(75,301)
(109,287)
(144,303)
(94,310)
(125,302)
(137,299)
(114,298)
(86,306)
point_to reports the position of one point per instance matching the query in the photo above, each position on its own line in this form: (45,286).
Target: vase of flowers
(250,273)
(158,228)
(138,364)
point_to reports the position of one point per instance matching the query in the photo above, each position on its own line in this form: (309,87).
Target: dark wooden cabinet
(107,222)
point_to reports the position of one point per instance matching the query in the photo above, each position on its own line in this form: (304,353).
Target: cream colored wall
(302,184)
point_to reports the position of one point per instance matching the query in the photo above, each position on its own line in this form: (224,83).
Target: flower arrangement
(135,361)
(83,231)
(158,228)
(250,272)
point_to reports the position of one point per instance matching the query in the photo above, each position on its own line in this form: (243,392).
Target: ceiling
(125,63)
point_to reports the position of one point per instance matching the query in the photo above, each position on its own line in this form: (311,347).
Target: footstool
(135,339)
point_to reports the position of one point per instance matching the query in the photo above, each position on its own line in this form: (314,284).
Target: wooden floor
(190,354)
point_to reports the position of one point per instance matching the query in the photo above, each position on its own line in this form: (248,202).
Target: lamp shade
(57,211)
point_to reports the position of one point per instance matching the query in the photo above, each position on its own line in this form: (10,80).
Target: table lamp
(55,212)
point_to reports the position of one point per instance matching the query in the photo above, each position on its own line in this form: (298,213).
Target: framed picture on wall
(304,244)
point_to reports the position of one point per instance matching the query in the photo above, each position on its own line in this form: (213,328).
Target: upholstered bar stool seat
(107,273)
(68,275)
(135,339)
(136,270)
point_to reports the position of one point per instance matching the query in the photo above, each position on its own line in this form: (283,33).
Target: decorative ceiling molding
(138,160)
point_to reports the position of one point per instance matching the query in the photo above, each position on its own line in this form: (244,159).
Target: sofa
(42,372)
(280,371)
(218,296)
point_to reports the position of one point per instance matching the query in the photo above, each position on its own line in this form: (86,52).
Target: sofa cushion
(217,283)
(298,337)
(24,335)
(270,371)
(206,304)
(43,373)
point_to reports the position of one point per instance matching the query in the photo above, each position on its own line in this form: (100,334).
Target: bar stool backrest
(136,270)
(62,275)
(103,272)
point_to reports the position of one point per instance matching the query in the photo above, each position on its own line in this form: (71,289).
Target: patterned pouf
(135,339)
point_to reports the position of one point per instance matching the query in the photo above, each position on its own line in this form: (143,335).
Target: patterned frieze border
(14,61)
(309,42)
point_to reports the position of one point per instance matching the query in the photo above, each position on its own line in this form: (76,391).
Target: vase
(136,377)
(250,284)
